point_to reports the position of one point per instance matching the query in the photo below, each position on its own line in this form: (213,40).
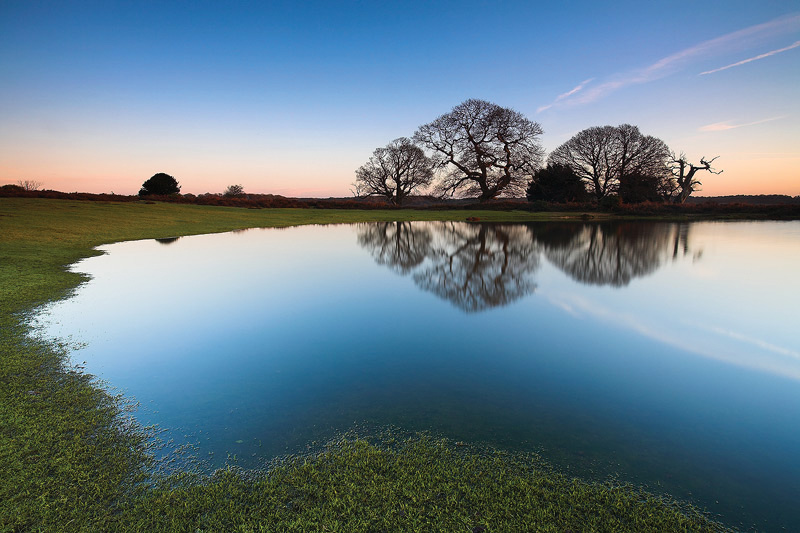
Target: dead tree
(684,173)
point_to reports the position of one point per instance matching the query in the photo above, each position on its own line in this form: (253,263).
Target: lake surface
(666,353)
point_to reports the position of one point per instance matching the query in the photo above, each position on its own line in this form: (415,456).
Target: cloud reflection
(724,345)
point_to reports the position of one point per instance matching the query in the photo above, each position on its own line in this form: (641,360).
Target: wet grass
(412,483)
(71,459)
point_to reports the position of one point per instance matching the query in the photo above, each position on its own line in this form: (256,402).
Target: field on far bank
(72,461)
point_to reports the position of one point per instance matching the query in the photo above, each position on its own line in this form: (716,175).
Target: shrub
(556,183)
(160,184)
(610,203)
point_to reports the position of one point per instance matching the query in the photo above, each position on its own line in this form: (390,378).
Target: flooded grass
(408,483)
(72,460)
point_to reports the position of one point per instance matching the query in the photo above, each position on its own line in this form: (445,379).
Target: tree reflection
(611,253)
(398,245)
(474,266)
(480,266)
(681,243)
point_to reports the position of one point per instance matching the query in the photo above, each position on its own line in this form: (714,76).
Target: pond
(665,353)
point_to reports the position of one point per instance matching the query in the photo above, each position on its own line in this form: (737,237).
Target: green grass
(413,483)
(71,461)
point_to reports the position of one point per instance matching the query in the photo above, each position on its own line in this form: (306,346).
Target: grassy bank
(71,462)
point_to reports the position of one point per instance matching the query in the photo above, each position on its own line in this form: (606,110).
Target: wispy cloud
(741,39)
(722,126)
(756,58)
(564,96)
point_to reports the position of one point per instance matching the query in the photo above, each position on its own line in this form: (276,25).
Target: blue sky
(290,98)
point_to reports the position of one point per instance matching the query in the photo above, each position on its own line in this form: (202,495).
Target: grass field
(72,461)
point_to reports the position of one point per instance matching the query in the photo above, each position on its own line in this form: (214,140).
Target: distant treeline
(751,199)
(770,206)
(250,200)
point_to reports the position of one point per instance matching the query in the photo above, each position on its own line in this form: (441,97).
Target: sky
(292,97)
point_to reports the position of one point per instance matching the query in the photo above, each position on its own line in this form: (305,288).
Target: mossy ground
(71,460)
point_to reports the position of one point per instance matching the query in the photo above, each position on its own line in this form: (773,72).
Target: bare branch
(684,174)
(30,185)
(483,150)
(604,156)
(395,171)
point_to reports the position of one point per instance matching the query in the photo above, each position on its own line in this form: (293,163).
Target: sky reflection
(665,352)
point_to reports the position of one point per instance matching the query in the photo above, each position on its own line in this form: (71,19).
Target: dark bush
(556,183)
(635,188)
(539,205)
(160,184)
(610,203)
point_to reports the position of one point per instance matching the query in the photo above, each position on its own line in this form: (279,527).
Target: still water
(666,353)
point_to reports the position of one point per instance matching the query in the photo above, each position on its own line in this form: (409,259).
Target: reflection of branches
(609,254)
(475,267)
(681,243)
(399,245)
(480,266)
(167,240)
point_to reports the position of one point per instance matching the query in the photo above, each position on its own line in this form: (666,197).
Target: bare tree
(684,172)
(642,154)
(483,150)
(394,171)
(605,155)
(30,185)
(587,153)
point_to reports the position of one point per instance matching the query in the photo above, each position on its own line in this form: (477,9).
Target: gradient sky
(291,97)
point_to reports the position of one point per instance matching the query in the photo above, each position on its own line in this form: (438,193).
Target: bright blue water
(666,353)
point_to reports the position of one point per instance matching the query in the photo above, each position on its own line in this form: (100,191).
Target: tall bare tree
(605,155)
(684,173)
(483,150)
(394,171)
(640,154)
(587,153)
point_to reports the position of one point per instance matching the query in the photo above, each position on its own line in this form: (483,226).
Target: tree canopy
(394,171)
(483,150)
(160,183)
(604,156)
